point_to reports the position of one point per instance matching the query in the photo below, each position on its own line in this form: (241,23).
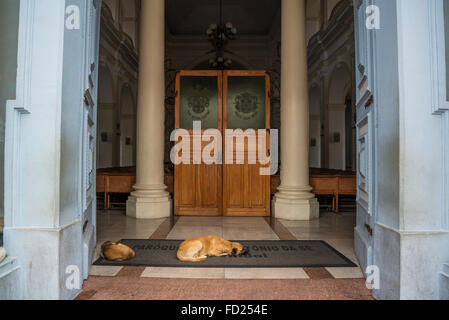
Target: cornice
(341,20)
(117,39)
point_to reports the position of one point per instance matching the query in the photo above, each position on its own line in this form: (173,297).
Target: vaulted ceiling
(251,17)
(192,17)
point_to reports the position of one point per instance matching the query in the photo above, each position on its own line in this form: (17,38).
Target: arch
(112,6)
(339,85)
(313,12)
(203,61)
(129,19)
(339,82)
(330,6)
(106,119)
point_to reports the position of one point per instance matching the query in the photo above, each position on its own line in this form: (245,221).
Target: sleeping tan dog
(114,251)
(198,249)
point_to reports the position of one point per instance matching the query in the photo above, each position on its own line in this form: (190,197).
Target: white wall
(46,170)
(409,213)
(9,16)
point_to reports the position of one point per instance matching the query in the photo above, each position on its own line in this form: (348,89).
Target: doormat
(262,254)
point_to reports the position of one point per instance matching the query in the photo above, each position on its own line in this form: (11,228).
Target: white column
(294,201)
(150,200)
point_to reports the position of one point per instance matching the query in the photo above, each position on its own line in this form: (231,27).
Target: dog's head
(238,249)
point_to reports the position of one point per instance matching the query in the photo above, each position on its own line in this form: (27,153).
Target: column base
(149,208)
(296,209)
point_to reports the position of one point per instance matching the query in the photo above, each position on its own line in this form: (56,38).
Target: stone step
(8,264)
(10,279)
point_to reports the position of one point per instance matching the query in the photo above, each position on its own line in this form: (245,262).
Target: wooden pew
(327,183)
(121,180)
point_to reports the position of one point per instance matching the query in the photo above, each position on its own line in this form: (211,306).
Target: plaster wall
(411,234)
(9,17)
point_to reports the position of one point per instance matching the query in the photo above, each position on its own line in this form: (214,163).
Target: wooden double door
(222,168)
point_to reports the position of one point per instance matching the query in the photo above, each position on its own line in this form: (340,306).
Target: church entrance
(222,143)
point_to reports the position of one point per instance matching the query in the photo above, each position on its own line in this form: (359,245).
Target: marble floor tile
(346,273)
(104,271)
(265,273)
(182,232)
(184,273)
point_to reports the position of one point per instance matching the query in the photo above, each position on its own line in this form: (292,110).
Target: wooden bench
(324,183)
(327,184)
(121,181)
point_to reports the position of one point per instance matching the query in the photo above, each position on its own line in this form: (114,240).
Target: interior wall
(331,69)
(126,17)
(128,128)
(9,17)
(107,109)
(338,90)
(315,128)
(116,131)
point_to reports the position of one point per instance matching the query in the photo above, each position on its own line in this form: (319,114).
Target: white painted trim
(16,108)
(412,232)
(440,101)
(40,229)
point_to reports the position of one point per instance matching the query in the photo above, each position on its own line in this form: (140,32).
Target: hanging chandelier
(219,35)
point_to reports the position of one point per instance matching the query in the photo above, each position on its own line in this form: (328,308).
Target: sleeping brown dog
(198,249)
(114,251)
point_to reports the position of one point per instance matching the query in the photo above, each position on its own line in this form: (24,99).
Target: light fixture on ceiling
(219,35)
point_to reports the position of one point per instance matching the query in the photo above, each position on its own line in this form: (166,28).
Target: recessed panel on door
(246,190)
(198,186)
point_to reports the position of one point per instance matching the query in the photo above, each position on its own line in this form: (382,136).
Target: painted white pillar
(150,200)
(294,200)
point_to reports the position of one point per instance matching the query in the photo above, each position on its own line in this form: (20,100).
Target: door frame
(194,211)
(246,73)
(221,124)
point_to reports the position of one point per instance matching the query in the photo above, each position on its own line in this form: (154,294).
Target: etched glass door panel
(198,186)
(246,101)
(199,101)
(246,106)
